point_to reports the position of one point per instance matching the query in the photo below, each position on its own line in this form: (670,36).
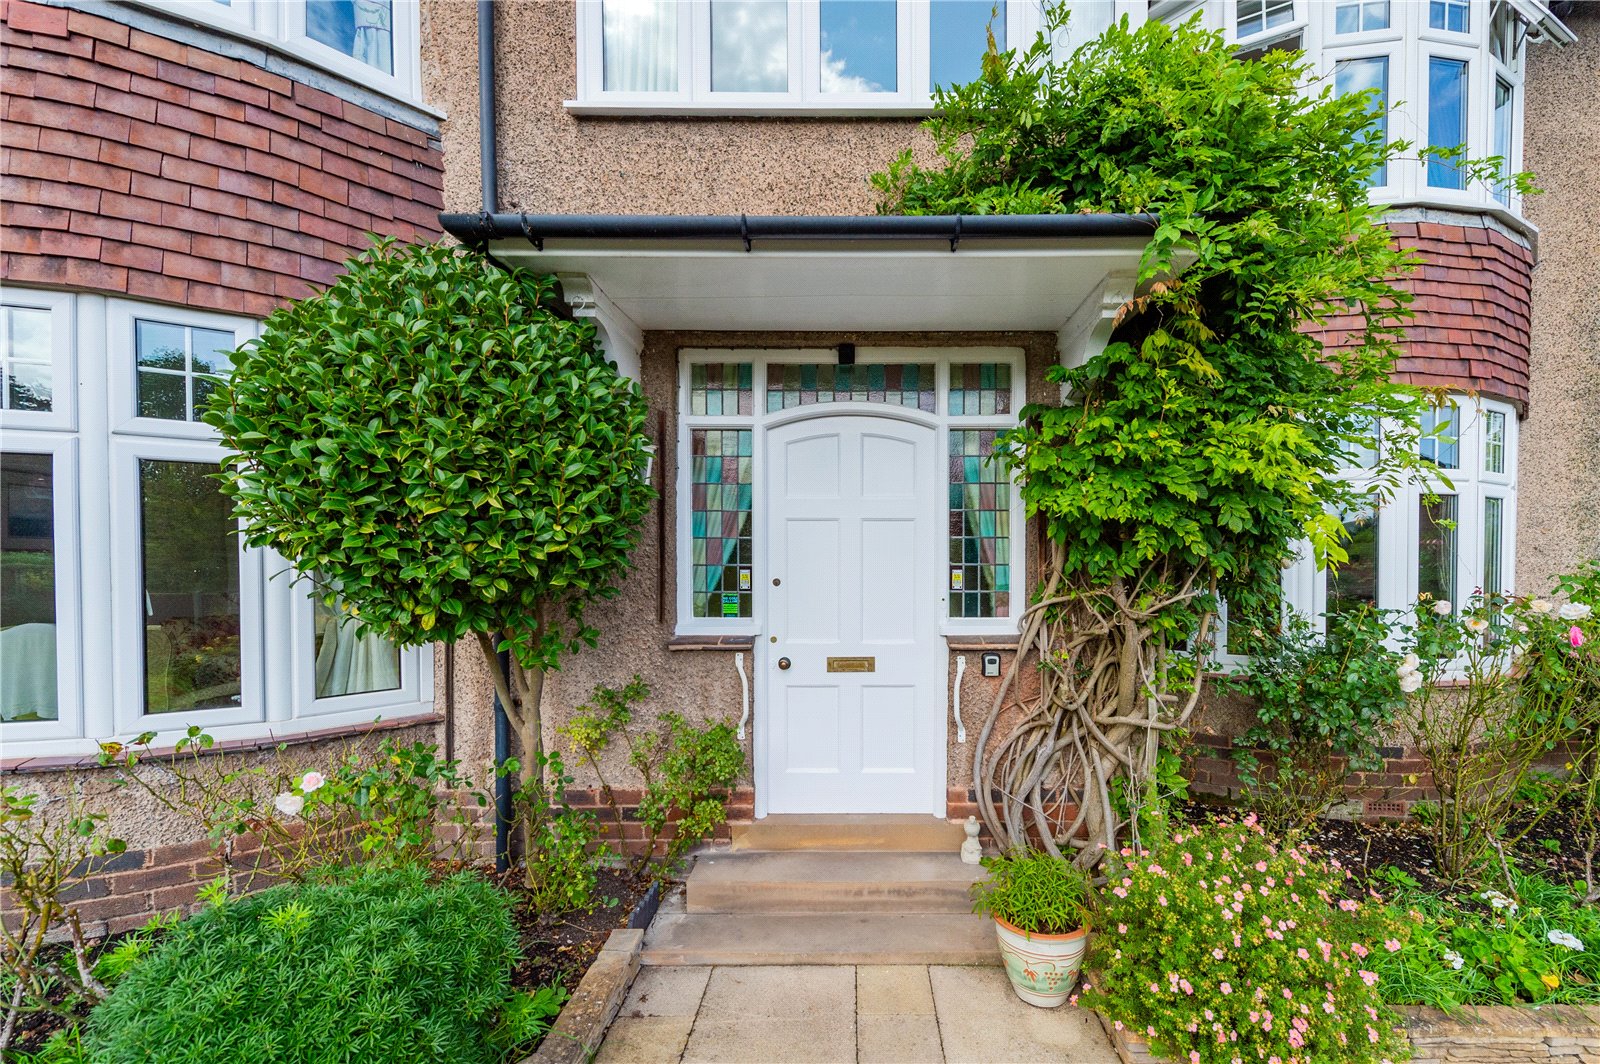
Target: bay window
(139,608)
(777,56)
(1368,74)
(1447,119)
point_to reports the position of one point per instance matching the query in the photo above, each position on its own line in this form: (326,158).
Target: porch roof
(845,273)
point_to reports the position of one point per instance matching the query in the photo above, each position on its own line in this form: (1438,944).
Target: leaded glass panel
(720,522)
(909,385)
(980,526)
(980,388)
(719,388)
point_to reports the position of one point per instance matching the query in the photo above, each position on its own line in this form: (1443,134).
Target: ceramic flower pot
(1043,968)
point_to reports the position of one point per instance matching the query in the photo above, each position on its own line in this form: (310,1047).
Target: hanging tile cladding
(137,165)
(1471,301)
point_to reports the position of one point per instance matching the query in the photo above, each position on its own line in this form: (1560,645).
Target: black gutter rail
(477,229)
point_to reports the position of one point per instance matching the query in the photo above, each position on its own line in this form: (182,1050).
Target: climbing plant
(445,456)
(1204,441)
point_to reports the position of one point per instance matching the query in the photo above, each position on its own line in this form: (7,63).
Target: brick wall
(1472,294)
(137,165)
(629,836)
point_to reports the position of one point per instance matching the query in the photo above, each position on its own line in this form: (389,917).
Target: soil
(1370,848)
(559,948)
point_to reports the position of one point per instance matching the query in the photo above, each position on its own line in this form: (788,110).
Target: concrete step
(814,938)
(809,881)
(874,833)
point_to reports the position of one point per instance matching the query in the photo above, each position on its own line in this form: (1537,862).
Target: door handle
(784,663)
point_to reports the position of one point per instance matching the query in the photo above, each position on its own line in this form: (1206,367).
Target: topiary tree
(445,456)
(1206,438)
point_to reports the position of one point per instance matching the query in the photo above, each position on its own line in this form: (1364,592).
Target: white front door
(854,664)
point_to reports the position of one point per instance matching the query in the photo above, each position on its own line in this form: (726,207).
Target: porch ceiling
(827,273)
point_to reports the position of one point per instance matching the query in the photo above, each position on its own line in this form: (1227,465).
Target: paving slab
(645,1040)
(893,990)
(829,1040)
(898,1039)
(981,1019)
(825,939)
(777,993)
(787,881)
(666,992)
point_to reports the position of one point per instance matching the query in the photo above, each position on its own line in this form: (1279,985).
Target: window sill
(711,642)
(981,642)
(68,762)
(795,109)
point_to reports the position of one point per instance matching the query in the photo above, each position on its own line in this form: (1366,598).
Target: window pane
(25,359)
(1493,529)
(858,45)
(720,388)
(27,588)
(980,388)
(1355,583)
(1361,16)
(720,524)
(901,385)
(958,37)
(1253,16)
(1447,118)
(749,46)
(1436,548)
(190,568)
(1441,436)
(1449,15)
(362,29)
(1502,138)
(1494,442)
(980,527)
(1365,75)
(170,358)
(350,660)
(640,44)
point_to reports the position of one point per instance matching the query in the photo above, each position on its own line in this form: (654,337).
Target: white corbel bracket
(1087,329)
(621,340)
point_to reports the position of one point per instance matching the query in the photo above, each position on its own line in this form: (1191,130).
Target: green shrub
(1219,946)
(1322,704)
(1033,891)
(564,849)
(1539,945)
(377,965)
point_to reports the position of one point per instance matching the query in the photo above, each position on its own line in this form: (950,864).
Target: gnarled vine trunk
(1069,773)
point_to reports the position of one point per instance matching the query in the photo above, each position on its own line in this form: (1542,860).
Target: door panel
(855,523)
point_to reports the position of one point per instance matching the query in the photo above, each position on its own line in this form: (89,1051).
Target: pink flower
(1370,978)
(1358,949)
(1347,905)
(1218,954)
(1163,900)
(1122,929)
(1302,954)
(1226,988)
(1392,945)
(1575,636)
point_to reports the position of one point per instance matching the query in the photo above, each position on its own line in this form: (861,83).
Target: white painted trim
(63,412)
(122,317)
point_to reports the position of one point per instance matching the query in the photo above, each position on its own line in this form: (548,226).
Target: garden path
(833,1013)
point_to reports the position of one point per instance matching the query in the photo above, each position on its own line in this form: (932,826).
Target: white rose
(1574,611)
(1567,939)
(1443,607)
(289,804)
(1477,624)
(1454,959)
(311,781)
(1541,606)
(1410,682)
(1410,663)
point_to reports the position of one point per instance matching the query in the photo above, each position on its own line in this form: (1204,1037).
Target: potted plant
(1040,908)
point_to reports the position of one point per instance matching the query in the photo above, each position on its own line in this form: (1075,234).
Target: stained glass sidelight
(902,385)
(720,388)
(980,388)
(980,527)
(720,522)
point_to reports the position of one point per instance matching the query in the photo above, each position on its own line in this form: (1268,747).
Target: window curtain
(641,45)
(352,661)
(28,672)
(374,44)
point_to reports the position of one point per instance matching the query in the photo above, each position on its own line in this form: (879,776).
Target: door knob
(784,663)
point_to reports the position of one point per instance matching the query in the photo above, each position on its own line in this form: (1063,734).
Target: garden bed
(1566,1033)
(558,948)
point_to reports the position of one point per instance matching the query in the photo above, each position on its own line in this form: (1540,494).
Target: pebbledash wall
(1484,299)
(190,174)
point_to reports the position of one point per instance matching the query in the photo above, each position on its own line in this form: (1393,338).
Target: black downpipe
(489,163)
(502,785)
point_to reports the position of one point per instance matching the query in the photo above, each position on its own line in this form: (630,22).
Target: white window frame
(97,442)
(122,349)
(1306,587)
(1361,35)
(63,412)
(1296,26)
(294,593)
(804,96)
(942,359)
(62,450)
(280,25)
(1384,46)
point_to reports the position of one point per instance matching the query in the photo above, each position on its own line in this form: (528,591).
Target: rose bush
(1221,948)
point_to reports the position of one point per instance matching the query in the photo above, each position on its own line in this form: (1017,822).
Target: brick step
(802,881)
(874,833)
(815,938)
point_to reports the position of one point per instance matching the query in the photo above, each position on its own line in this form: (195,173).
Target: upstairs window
(1452,15)
(1361,16)
(1368,75)
(817,56)
(1258,16)
(1447,119)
